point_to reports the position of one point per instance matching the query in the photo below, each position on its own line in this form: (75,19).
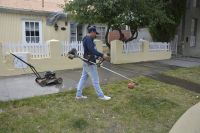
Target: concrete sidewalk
(14,88)
(188,122)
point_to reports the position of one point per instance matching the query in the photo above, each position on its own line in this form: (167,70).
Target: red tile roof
(35,5)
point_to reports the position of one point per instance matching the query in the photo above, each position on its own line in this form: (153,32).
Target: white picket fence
(159,46)
(132,47)
(36,50)
(67,46)
(39,51)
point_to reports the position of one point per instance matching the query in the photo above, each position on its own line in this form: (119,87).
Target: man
(90,70)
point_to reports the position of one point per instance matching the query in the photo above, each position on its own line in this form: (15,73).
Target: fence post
(1,51)
(116,51)
(1,59)
(55,50)
(2,56)
(99,45)
(145,46)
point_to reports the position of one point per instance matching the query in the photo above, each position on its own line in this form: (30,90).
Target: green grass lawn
(191,74)
(152,107)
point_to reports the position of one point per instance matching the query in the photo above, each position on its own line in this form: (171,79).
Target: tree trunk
(134,35)
(122,37)
(106,37)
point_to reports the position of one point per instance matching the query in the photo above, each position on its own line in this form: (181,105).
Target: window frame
(24,36)
(73,31)
(101,34)
(193,32)
(195,3)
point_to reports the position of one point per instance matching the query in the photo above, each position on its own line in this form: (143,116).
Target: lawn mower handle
(32,67)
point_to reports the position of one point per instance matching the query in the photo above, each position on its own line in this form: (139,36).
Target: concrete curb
(189,121)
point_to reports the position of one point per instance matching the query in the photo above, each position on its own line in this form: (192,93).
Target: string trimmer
(73,54)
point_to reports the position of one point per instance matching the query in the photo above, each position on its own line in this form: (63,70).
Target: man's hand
(106,57)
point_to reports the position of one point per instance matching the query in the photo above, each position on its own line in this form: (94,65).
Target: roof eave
(25,11)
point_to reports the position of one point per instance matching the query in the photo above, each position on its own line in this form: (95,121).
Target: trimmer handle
(101,60)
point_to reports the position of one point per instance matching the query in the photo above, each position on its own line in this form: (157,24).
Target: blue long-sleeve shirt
(90,51)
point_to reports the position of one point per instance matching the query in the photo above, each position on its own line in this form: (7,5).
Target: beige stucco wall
(11,28)
(55,62)
(117,57)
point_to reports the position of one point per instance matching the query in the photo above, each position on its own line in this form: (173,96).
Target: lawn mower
(49,76)
(73,54)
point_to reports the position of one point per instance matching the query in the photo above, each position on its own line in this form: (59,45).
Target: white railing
(132,47)
(67,46)
(159,46)
(36,50)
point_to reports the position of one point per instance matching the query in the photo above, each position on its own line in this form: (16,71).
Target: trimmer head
(131,85)
(72,54)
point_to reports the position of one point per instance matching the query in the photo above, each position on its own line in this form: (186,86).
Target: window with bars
(196,3)
(32,31)
(193,32)
(102,32)
(73,32)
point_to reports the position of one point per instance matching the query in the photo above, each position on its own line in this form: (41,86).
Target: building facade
(24,22)
(188,36)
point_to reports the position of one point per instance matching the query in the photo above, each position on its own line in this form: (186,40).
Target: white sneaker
(81,97)
(105,98)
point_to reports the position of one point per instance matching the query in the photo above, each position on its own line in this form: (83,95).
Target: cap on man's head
(92,29)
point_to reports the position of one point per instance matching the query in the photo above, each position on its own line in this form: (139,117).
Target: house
(25,21)
(188,37)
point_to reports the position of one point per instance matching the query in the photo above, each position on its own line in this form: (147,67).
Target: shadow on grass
(79,123)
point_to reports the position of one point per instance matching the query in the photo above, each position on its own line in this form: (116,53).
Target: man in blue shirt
(89,69)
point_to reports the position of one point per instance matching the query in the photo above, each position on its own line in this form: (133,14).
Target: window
(193,32)
(32,31)
(196,3)
(188,4)
(102,33)
(73,32)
